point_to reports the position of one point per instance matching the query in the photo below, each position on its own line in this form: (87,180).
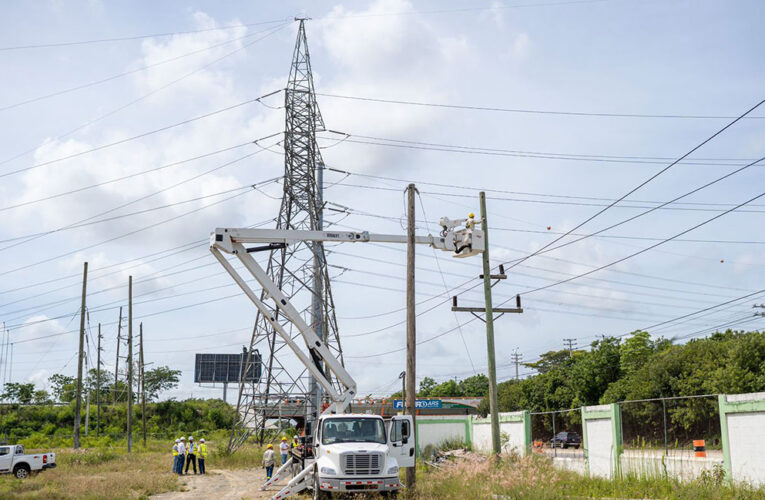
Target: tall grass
(535,477)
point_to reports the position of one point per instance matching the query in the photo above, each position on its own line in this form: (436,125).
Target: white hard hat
(202,440)
(191,438)
(183,438)
(177,440)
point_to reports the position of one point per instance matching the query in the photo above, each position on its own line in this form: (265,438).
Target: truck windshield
(353,430)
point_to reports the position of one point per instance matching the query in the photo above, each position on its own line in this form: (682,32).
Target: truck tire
(317,493)
(21,471)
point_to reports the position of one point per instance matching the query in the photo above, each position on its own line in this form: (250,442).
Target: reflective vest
(175,450)
(203,450)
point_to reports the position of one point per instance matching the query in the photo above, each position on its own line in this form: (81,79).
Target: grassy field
(109,472)
(535,477)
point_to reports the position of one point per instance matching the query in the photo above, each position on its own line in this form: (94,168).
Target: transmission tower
(299,270)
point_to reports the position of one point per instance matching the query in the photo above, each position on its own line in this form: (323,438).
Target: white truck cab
(361,453)
(14,461)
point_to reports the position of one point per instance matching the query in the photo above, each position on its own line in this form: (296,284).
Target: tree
(41,398)
(450,388)
(160,379)
(94,382)
(550,360)
(476,386)
(19,393)
(426,385)
(64,387)
(635,351)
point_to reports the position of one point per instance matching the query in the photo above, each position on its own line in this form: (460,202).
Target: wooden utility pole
(130,367)
(98,384)
(117,362)
(78,404)
(87,370)
(411,330)
(143,385)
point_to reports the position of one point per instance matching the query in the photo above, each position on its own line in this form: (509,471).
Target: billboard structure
(225,368)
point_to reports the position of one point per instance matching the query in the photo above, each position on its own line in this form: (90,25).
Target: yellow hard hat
(284,438)
(471,215)
(270,446)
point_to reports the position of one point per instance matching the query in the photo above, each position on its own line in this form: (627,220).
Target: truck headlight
(393,470)
(330,471)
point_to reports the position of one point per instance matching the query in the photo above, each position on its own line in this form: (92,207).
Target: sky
(127,135)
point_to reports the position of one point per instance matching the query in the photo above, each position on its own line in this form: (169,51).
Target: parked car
(14,461)
(565,439)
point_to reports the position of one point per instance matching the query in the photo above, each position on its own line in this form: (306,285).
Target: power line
(133,37)
(125,73)
(648,180)
(139,136)
(142,97)
(527,111)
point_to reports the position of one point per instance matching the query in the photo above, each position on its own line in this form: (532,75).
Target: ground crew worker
(202,455)
(191,455)
(268,461)
(175,455)
(284,449)
(181,455)
(295,441)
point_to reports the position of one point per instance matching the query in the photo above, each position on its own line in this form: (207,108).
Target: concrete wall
(681,464)
(601,439)
(437,429)
(512,425)
(742,421)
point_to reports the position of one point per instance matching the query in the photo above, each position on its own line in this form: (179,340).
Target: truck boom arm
(232,240)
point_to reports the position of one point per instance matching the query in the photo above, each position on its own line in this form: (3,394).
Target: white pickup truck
(14,461)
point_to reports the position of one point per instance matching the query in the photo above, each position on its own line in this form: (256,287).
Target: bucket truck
(347,452)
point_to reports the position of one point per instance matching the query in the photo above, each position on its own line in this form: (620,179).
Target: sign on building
(420,404)
(225,368)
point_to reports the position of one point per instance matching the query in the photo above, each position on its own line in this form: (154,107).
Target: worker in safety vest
(181,455)
(175,455)
(268,461)
(202,455)
(470,223)
(191,455)
(295,441)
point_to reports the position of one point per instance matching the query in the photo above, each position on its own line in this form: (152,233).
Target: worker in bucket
(191,455)
(202,455)
(284,449)
(175,455)
(181,456)
(268,461)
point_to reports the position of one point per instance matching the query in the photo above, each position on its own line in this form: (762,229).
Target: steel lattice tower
(299,270)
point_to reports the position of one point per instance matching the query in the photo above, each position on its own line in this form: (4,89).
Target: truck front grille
(361,464)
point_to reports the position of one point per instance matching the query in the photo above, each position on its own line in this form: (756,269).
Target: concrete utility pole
(117,362)
(98,384)
(130,367)
(495,443)
(517,360)
(489,311)
(78,403)
(143,385)
(570,344)
(411,326)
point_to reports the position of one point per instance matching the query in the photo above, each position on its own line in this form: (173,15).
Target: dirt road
(220,484)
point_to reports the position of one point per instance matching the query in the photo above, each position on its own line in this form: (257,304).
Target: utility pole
(87,370)
(411,326)
(488,318)
(143,385)
(98,384)
(496,445)
(117,362)
(130,367)
(570,345)
(402,376)
(78,404)
(516,359)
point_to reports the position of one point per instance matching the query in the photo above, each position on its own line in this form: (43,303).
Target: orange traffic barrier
(699,446)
